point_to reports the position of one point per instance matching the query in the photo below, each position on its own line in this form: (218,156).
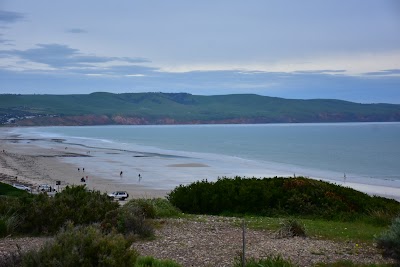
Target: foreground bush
(128,220)
(9,190)
(280,197)
(151,262)
(390,241)
(271,261)
(347,263)
(155,207)
(291,228)
(37,214)
(83,246)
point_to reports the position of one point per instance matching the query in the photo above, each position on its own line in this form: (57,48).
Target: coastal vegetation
(389,241)
(278,196)
(182,108)
(92,230)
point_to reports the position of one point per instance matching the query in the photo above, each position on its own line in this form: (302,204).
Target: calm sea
(362,151)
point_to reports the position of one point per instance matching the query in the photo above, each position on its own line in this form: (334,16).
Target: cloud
(60,56)
(10,17)
(5,41)
(76,30)
(391,72)
(319,71)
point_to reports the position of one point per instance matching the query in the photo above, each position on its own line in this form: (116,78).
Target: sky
(307,49)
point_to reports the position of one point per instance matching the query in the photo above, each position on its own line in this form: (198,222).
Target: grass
(152,262)
(350,264)
(333,230)
(8,190)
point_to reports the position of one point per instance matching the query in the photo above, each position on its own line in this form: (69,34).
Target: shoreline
(23,162)
(47,160)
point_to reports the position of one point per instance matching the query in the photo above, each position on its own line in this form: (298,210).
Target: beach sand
(24,162)
(45,160)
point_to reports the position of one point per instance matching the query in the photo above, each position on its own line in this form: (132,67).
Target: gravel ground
(213,241)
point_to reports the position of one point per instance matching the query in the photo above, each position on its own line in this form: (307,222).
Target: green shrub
(12,259)
(291,228)
(128,220)
(8,190)
(279,196)
(270,261)
(379,217)
(389,241)
(144,206)
(156,207)
(44,214)
(83,246)
(151,262)
(3,227)
(348,263)
(9,224)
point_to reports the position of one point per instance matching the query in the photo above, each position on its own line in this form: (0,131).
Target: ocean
(169,155)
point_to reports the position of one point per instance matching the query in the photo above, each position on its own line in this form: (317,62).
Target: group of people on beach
(83,180)
(140,177)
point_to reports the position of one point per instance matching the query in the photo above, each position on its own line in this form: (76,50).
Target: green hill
(182,108)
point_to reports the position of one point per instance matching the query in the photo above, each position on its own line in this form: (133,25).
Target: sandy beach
(34,161)
(24,162)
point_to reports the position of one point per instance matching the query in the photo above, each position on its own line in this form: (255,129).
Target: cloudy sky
(306,49)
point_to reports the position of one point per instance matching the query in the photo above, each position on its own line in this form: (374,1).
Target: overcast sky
(305,49)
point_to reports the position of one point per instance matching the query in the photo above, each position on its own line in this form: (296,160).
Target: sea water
(358,152)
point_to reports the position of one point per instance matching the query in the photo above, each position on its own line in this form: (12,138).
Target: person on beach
(140,177)
(120,174)
(83,169)
(79,169)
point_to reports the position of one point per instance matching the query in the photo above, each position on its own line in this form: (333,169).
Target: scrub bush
(270,261)
(156,207)
(12,259)
(151,262)
(128,220)
(83,246)
(279,196)
(389,241)
(291,228)
(42,214)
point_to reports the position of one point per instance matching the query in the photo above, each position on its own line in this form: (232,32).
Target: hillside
(182,108)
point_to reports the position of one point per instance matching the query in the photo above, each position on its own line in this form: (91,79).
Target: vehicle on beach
(22,187)
(45,188)
(119,195)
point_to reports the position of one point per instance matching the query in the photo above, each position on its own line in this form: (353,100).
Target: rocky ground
(216,241)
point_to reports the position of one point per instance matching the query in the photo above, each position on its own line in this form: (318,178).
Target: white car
(120,195)
(22,187)
(45,188)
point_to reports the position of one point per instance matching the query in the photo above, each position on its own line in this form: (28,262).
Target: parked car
(45,188)
(22,187)
(120,195)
